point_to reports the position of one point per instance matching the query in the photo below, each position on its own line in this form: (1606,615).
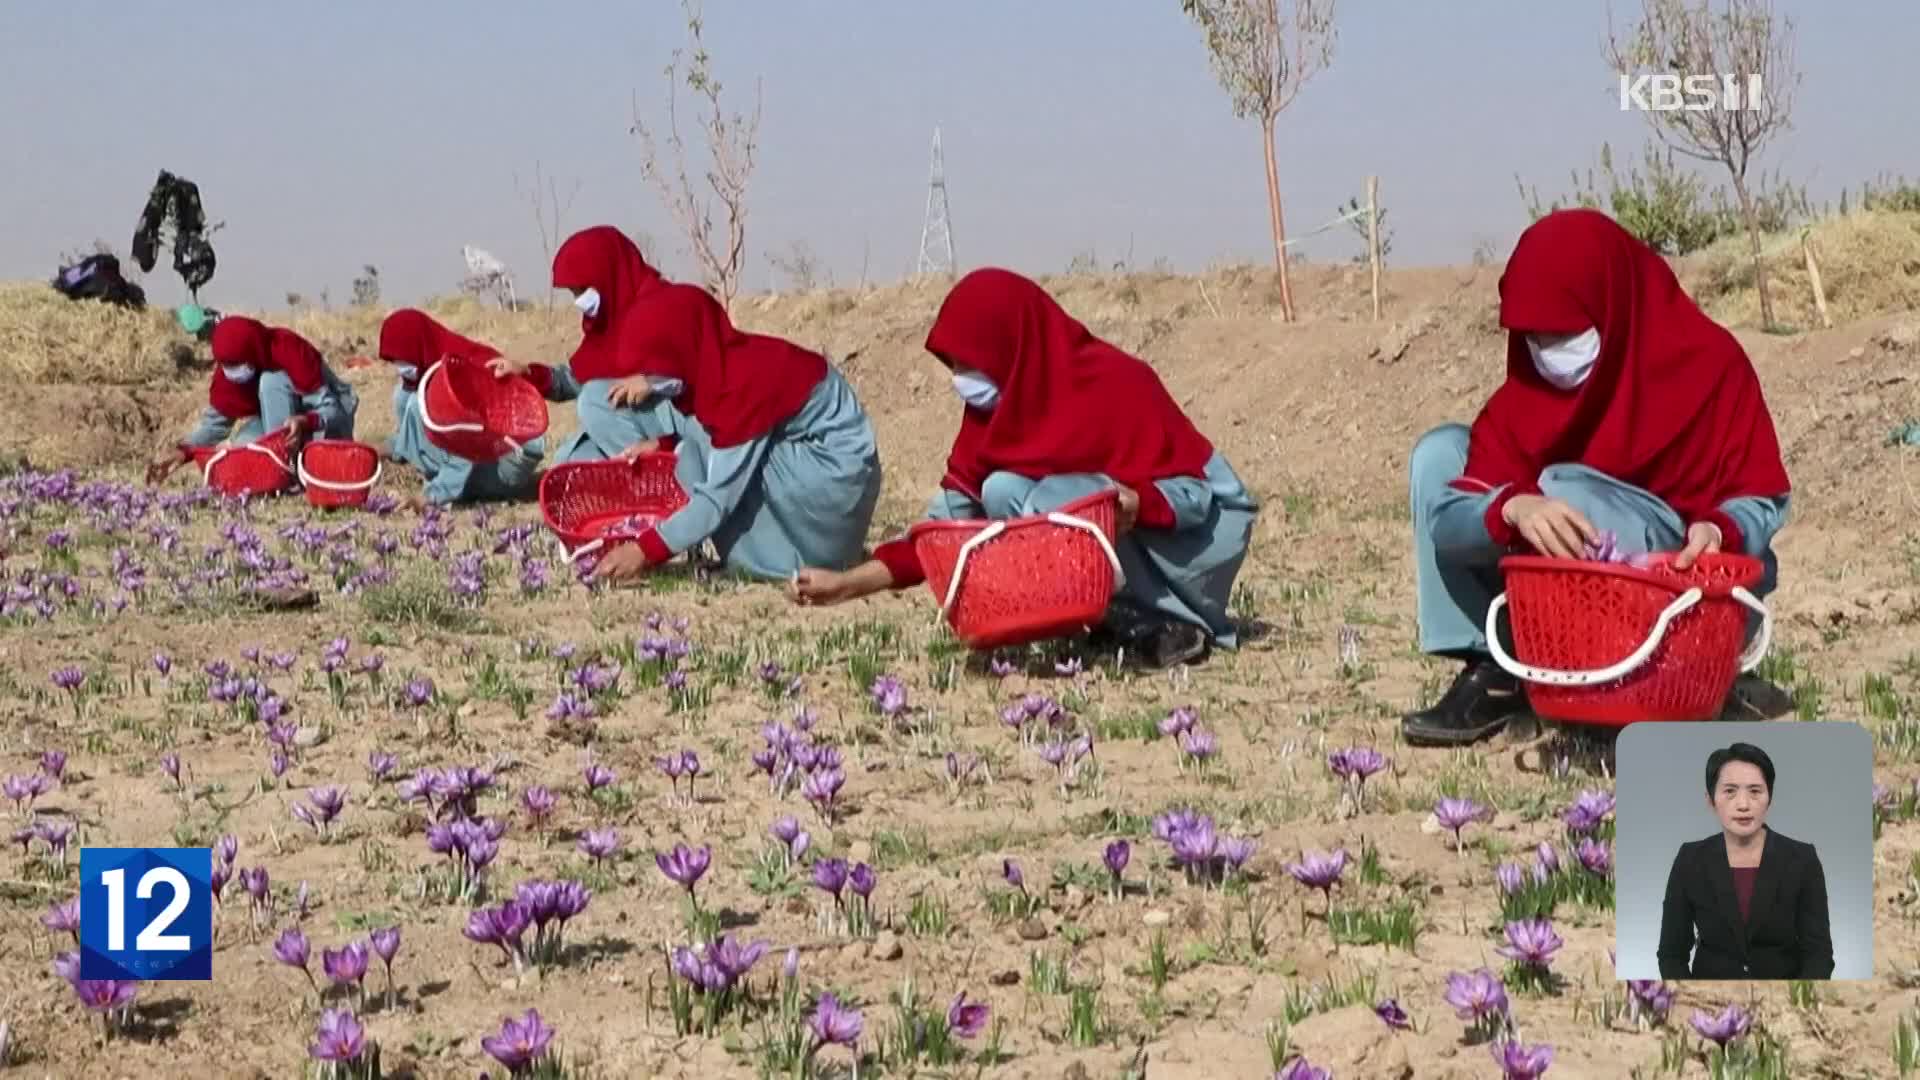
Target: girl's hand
(165,462)
(819,588)
(504,366)
(1703,538)
(1129,508)
(1550,525)
(623,563)
(640,449)
(296,432)
(630,391)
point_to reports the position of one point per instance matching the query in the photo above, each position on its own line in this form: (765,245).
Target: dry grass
(1869,265)
(46,338)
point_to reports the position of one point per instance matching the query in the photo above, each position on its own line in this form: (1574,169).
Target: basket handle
(206,471)
(332,485)
(569,557)
(998,527)
(1551,677)
(1757,651)
(426,417)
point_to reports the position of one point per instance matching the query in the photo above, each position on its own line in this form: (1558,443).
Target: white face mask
(407,372)
(975,389)
(240,374)
(1565,360)
(666,388)
(588,302)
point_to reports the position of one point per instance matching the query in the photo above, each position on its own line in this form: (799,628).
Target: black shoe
(1171,644)
(1480,702)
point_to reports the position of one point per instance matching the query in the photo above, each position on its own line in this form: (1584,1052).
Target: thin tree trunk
(1277,219)
(1752,219)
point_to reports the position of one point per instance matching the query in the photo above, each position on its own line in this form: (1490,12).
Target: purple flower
(1199,745)
(1546,858)
(1531,943)
(1651,997)
(520,1043)
(597,776)
(966,1019)
(734,959)
(53,763)
(1356,763)
(340,1038)
(1011,871)
(254,880)
(104,995)
(834,1023)
(1476,996)
(162,663)
(1595,856)
(379,765)
(861,880)
(1455,815)
(1510,877)
(1391,1014)
(170,764)
(830,875)
(537,802)
(1320,870)
(1236,850)
(344,965)
(386,943)
(1178,722)
(1589,809)
(417,692)
(785,828)
(999,668)
(69,678)
(1519,1062)
(599,844)
(684,865)
(1195,847)
(1731,1023)
(291,948)
(1299,1068)
(1116,856)
(63,917)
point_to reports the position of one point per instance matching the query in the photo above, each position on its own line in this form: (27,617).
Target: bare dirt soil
(1317,416)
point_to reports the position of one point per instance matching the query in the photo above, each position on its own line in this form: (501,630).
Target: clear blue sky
(332,135)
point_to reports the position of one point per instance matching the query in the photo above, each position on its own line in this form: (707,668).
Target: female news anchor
(1748,903)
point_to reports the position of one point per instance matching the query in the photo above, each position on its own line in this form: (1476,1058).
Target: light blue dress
(1457,564)
(801,495)
(1184,573)
(454,479)
(607,430)
(334,402)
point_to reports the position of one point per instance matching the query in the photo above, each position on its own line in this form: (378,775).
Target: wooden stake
(1813,278)
(1373,239)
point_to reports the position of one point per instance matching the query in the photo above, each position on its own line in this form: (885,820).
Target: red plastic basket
(1023,579)
(592,504)
(472,413)
(338,472)
(1611,644)
(257,468)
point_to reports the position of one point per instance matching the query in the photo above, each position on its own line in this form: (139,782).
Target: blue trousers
(1457,564)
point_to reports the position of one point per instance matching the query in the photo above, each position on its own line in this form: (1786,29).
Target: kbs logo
(1692,93)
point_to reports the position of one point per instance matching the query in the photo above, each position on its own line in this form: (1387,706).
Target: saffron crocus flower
(830,876)
(785,828)
(1199,745)
(417,692)
(889,696)
(346,965)
(1531,943)
(1392,1015)
(386,945)
(105,995)
(327,802)
(684,865)
(599,844)
(291,948)
(520,1044)
(380,765)
(1478,998)
(1299,1068)
(1518,1062)
(339,1039)
(1648,1000)
(1724,1027)
(63,918)
(1236,850)
(597,776)
(1320,870)
(53,763)
(966,1019)
(163,664)
(1178,722)
(833,1023)
(170,764)
(1587,812)
(1454,815)
(1115,857)
(1595,856)
(861,880)
(1011,871)
(1546,858)
(69,679)
(538,802)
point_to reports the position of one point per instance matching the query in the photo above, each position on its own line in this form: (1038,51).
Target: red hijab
(240,341)
(410,336)
(1069,402)
(1673,404)
(602,258)
(738,385)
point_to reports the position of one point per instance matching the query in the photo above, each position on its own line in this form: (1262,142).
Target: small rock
(1077,897)
(1431,826)
(1033,930)
(1004,978)
(1856,352)
(1076,1071)
(797,905)
(885,947)
(1156,918)
(860,851)
(309,737)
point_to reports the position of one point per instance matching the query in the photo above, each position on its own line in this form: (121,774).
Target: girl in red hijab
(1051,414)
(777,455)
(265,379)
(1625,411)
(611,285)
(413,343)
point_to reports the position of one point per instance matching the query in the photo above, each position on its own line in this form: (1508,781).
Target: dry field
(1161,976)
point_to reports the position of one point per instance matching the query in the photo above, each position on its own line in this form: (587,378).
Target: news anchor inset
(1746,902)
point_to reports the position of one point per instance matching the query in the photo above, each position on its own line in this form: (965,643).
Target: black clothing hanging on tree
(176,202)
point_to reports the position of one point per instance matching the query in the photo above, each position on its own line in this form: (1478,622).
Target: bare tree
(1746,40)
(731,141)
(800,265)
(366,287)
(1262,60)
(549,212)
